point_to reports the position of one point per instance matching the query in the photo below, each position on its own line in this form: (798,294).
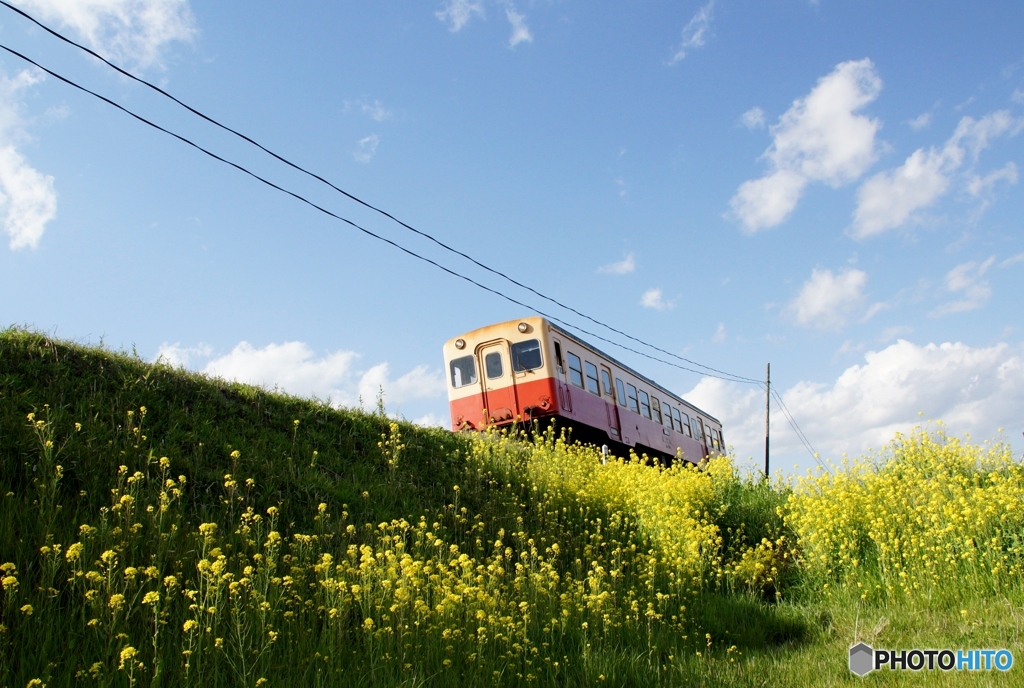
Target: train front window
(645,404)
(631,399)
(621,392)
(575,369)
(463,371)
(592,378)
(492,363)
(526,355)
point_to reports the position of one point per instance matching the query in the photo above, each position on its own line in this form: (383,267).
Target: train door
(498,382)
(608,394)
(564,396)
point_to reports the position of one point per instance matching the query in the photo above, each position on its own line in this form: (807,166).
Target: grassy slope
(301,453)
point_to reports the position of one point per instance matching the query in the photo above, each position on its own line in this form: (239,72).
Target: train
(530,371)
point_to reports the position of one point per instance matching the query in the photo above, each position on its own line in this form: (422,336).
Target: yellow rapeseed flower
(128,653)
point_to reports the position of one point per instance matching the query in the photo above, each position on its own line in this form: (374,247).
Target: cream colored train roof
(612,359)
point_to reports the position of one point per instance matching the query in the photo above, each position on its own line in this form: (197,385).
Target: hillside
(161,527)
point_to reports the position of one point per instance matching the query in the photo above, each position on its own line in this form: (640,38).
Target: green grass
(351,549)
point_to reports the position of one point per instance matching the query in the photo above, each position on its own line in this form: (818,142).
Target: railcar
(531,370)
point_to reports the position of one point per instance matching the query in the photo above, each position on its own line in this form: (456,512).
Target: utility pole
(767,408)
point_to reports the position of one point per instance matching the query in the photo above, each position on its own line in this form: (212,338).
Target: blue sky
(829,186)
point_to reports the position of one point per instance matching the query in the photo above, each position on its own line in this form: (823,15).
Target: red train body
(531,369)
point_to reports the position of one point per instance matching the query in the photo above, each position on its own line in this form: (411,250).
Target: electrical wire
(721,374)
(725,376)
(329,213)
(796,429)
(789,415)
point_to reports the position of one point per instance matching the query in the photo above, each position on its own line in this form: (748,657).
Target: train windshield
(526,355)
(463,371)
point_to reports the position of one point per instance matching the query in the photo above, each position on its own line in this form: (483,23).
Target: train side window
(656,409)
(714,439)
(631,400)
(606,382)
(707,436)
(695,424)
(645,404)
(668,416)
(575,370)
(558,356)
(592,379)
(721,439)
(621,392)
(680,425)
(463,371)
(526,355)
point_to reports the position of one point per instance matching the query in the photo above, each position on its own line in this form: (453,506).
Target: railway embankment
(163,527)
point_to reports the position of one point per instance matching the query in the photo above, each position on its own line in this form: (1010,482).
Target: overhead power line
(720,373)
(723,375)
(796,429)
(362,229)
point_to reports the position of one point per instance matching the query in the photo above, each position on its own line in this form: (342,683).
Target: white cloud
(457,13)
(653,298)
(623,267)
(893,198)
(366,148)
(431,420)
(419,383)
(966,280)
(1017,96)
(1012,260)
(888,199)
(920,122)
(720,334)
(753,118)
(765,202)
(977,134)
(623,187)
(293,367)
(894,332)
(974,390)
(695,32)
(820,138)
(982,188)
(179,356)
(829,301)
(27,197)
(520,31)
(376,110)
(135,31)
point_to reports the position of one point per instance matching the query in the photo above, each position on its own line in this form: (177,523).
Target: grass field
(161,528)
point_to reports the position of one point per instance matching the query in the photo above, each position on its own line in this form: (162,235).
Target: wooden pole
(767,409)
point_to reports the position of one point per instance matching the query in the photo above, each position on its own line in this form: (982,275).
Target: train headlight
(460,343)
(524,328)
